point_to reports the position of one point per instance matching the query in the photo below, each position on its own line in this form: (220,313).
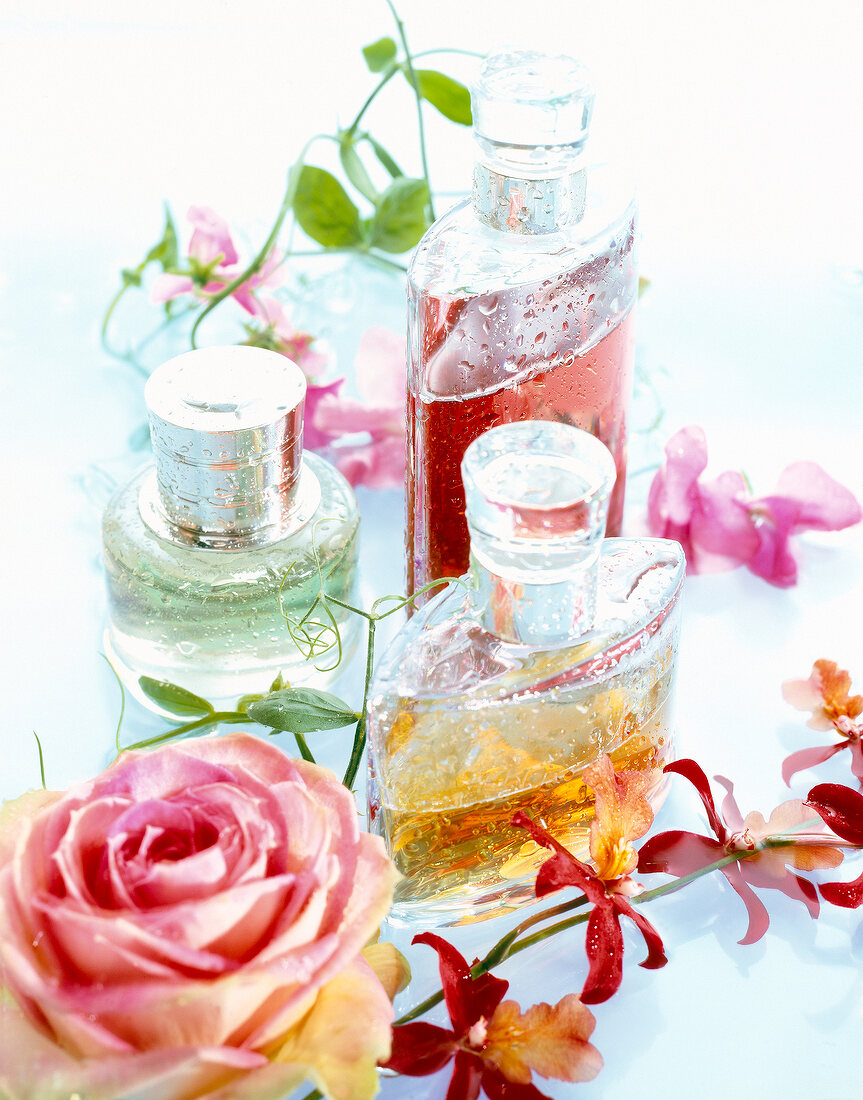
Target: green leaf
(383,156)
(130,277)
(302,710)
(175,699)
(166,251)
(324,211)
(401,217)
(354,168)
(451,98)
(379,54)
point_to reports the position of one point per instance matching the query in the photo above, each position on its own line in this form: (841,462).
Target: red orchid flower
(679,853)
(604,942)
(826,695)
(495,1048)
(841,809)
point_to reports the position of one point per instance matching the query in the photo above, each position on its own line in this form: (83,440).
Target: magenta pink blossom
(720,526)
(377,459)
(213,263)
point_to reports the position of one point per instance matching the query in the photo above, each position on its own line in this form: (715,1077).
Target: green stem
(412,77)
(264,251)
(302,745)
(360,733)
(214,719)
(511,944)
(382,83)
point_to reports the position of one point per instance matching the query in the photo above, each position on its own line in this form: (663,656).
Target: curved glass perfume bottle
(210,551)
(559,646)
(520,300)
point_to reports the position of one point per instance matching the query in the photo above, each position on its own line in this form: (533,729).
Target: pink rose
(191,923)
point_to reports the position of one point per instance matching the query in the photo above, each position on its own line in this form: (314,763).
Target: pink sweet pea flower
(379,460)
(211,241)
(213,263)
(720,526)
(678,852)
(192,923)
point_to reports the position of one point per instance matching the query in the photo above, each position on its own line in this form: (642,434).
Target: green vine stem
(513,943)
(412,77)
(217,718)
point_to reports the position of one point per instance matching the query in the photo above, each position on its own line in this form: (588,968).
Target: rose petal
(345,1035)
(390,966)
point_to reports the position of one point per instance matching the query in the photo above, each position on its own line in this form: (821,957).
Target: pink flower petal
(380,366)
(211,238)
(167,286)
(378,465)
(314,437)
(759,919)
(808,758)
(686,460)
(821,504)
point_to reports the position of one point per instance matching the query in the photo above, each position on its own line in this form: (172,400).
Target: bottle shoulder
(328,535)
(459,254)
(444,651)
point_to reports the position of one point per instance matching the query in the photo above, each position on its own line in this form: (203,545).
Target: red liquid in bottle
(589,389)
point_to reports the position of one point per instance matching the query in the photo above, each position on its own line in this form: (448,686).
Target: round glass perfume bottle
(214,554)
(558,646)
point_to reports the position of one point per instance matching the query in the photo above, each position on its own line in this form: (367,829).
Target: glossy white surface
(741,124)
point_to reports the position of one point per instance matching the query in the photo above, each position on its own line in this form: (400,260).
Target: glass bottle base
(221,684)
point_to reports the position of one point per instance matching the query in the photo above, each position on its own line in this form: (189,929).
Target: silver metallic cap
(227,431)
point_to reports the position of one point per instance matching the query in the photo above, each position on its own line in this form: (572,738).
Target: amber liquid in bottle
(450,832)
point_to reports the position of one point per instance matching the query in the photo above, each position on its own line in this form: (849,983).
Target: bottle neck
(535,606)
(529,205)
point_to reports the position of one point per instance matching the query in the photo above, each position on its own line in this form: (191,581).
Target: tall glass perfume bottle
(209,552)
(520,300)
(557,647)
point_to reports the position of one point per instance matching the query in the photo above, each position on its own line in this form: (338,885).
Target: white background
(742,123)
